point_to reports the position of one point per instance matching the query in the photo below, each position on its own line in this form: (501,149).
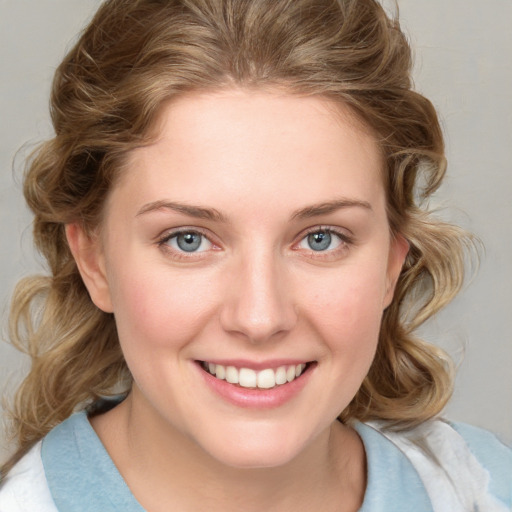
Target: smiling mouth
(267,378)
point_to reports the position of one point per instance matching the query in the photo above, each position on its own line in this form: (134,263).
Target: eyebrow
(200,212)
(330,207)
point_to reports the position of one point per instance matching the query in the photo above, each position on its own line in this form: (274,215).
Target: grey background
(463,65)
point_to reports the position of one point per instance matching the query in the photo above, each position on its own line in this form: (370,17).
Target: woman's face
(250,241)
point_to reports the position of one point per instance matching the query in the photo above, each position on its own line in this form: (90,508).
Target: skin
(255,290)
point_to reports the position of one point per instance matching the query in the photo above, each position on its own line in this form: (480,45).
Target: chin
(257,459)
(259,450)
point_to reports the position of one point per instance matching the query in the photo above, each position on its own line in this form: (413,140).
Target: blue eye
(189,241)
(321,240)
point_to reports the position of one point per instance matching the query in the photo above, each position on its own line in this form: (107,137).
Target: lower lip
(256,398)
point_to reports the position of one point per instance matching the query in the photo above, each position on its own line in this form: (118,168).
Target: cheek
(346,310)
(349,296)
(345,313)
(158,309)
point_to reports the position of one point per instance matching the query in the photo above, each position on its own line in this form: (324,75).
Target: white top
(453,477)
(26,489)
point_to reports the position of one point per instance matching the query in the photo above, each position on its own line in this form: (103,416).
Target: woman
(239,259)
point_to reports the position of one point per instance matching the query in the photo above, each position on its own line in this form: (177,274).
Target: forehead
(244,145)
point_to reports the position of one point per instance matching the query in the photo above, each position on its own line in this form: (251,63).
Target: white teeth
(248,378)
(266,379)
(281,375)
(220,372)
(231,374)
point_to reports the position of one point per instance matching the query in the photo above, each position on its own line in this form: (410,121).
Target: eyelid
(341,232)
(167,235)
(346,241)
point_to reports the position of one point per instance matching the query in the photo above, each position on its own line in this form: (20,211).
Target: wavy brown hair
(137,54)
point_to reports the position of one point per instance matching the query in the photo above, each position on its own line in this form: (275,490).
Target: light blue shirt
(83,478)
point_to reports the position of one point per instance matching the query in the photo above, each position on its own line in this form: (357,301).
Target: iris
(319,241)
(189,242)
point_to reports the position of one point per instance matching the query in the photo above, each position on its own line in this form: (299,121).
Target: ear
(398,250)
(89,258)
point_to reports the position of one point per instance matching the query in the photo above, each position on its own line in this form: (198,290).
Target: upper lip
(258,365)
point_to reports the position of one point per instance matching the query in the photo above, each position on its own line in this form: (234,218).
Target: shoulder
(75,461)
(459,464)
(493,455)
(25,488)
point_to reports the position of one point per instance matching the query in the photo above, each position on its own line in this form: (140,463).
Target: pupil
(189,242)
(319,241)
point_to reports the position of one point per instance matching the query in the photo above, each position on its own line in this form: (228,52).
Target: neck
(162,466)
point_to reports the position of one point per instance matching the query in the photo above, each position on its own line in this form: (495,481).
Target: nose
(258,303)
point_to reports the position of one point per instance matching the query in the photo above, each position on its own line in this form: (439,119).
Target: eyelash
(182,255)
(345,242)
